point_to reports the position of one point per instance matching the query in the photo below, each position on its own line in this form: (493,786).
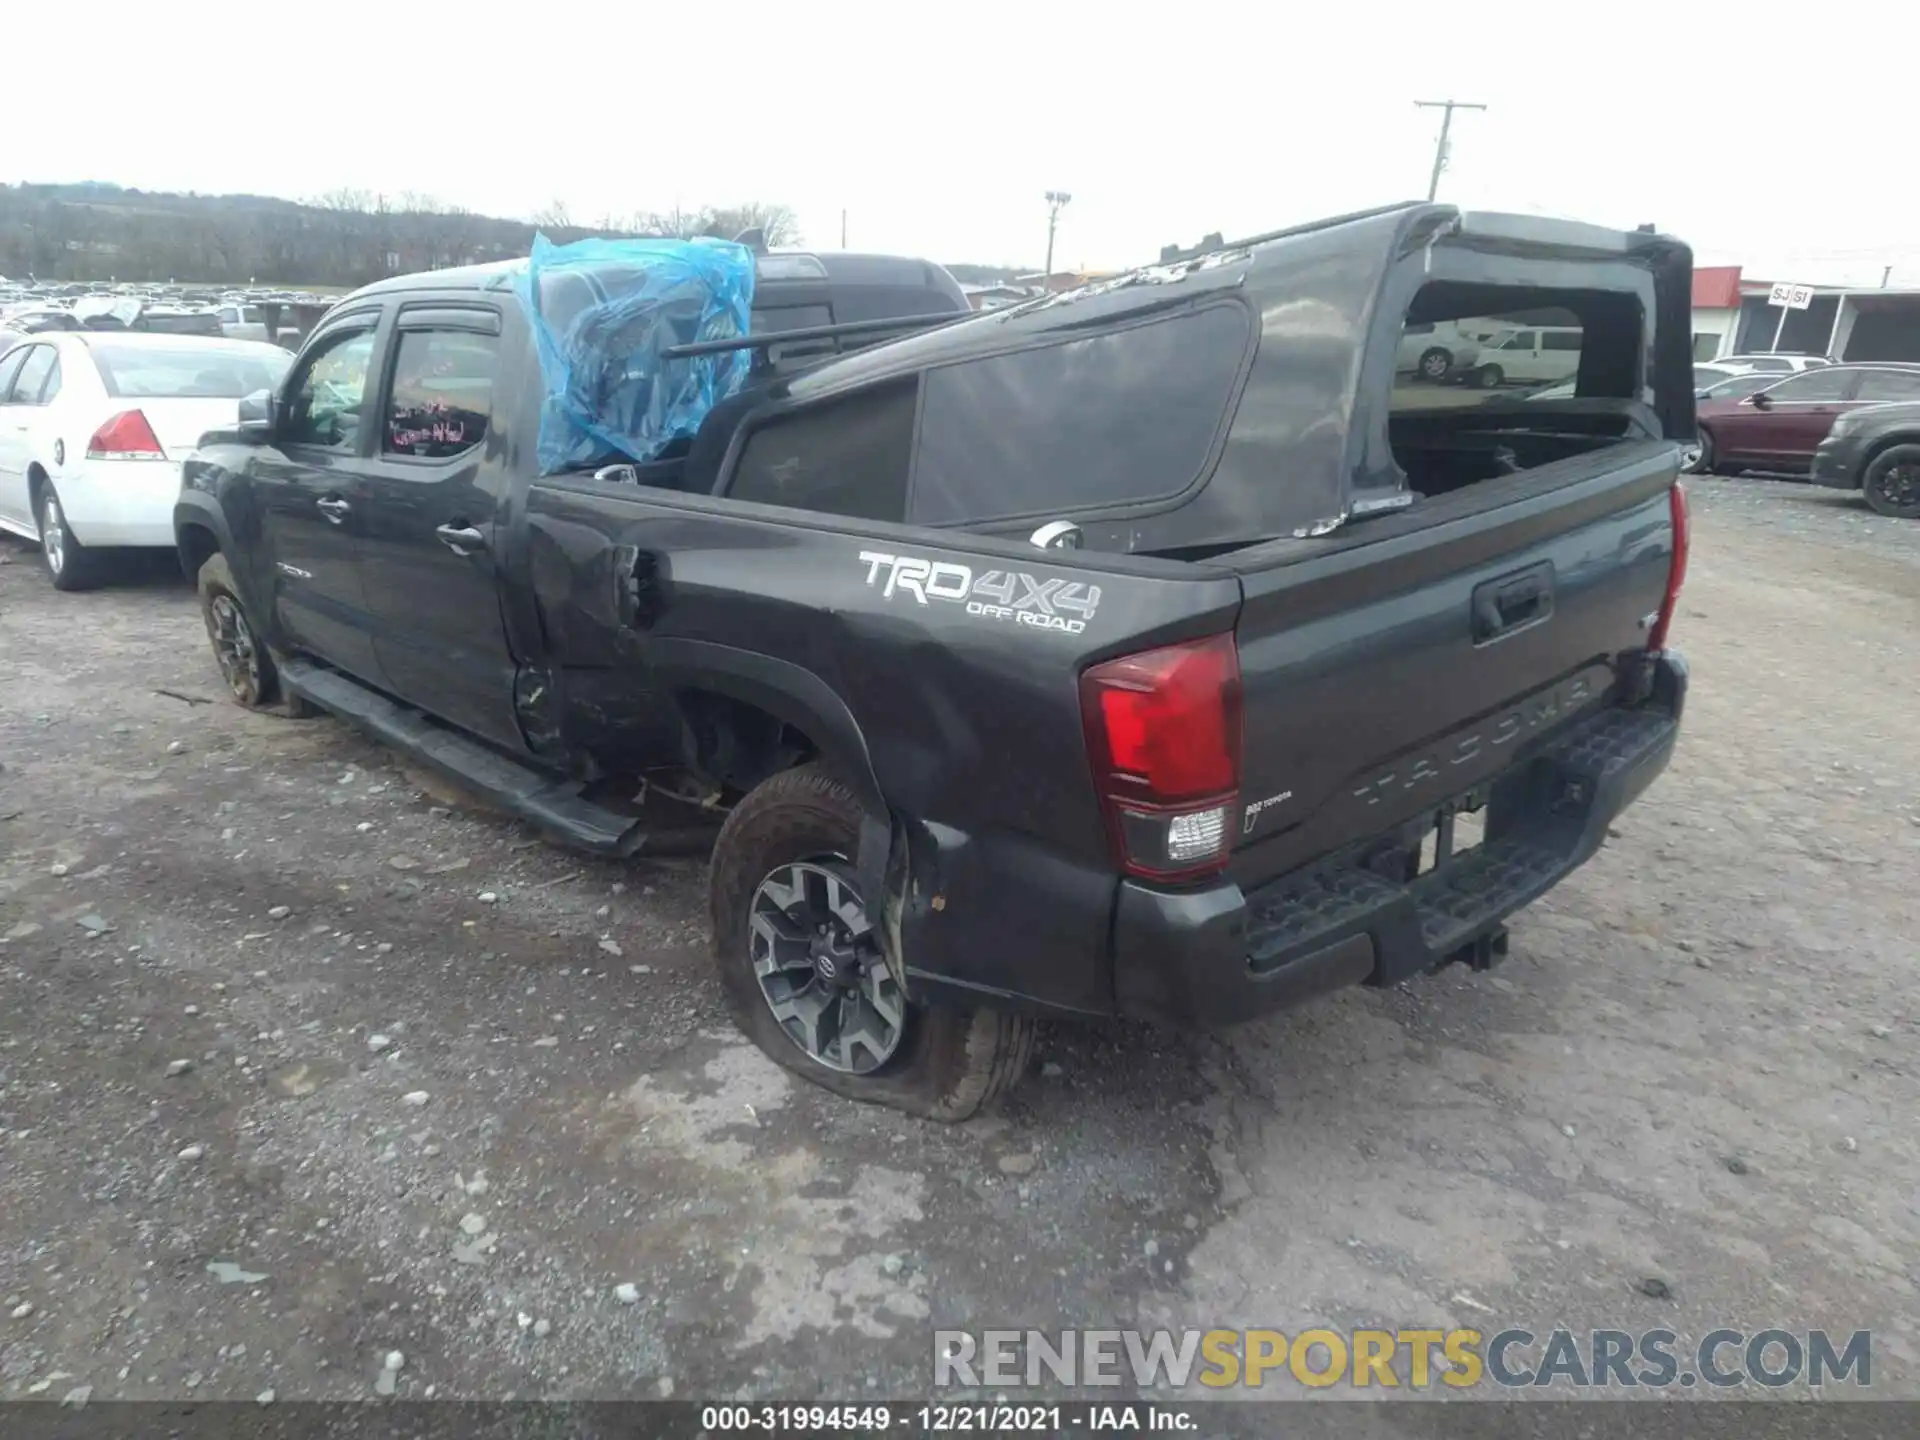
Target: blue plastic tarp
(602,311)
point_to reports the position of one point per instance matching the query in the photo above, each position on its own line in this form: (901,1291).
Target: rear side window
(442,396)
(33,374)
(181,371)
(1815,385)
(845,457)
(1119,418)
(1889,385)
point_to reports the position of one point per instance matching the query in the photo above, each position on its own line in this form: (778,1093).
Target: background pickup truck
(1139,650)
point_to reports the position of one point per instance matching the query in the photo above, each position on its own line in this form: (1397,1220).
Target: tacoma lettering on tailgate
(1495,733)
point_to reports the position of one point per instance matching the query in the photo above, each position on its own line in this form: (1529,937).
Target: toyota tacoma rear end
(1414,656)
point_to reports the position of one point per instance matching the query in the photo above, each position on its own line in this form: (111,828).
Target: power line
(1441,149)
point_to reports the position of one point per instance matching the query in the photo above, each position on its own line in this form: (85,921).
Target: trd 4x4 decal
(1049,604)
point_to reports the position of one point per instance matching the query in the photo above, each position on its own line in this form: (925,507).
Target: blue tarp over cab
(602,313)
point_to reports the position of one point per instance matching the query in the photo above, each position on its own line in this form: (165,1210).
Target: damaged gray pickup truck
(1152,649)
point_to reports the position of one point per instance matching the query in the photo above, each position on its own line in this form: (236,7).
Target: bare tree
(777,224)
(555,216)
(358,202)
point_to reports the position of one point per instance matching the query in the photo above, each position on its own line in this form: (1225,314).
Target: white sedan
(93,427)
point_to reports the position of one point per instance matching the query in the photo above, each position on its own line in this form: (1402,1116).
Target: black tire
(947,1063)
(70,565)
(1892,482)
(1436,364)
(244,660)
(1488,376)
(1703,465)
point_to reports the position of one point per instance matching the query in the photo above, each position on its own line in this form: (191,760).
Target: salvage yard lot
(450,1088)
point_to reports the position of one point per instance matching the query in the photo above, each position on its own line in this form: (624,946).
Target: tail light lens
(127,436)
(1163,733)
(1676,569)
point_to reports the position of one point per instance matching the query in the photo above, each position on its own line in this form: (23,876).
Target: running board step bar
(551,804)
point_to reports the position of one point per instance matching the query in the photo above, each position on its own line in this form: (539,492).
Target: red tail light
(1163,732)
(1676,569)
(127,436)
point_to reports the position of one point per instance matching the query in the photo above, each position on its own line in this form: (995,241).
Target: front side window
(324,405)
(1121,418)
(442,396)
(1771,363)
(843,457)
(1814,386)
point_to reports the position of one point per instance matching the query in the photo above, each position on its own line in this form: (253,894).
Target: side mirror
(1701,395)
(256,415)
(1760,401)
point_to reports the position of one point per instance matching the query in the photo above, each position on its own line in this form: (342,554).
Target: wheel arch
(196,544)
(1879,446)
(721,684)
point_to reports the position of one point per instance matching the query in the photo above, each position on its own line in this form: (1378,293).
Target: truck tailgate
(1407,668)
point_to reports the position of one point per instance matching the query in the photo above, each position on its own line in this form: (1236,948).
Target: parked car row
(1786,426)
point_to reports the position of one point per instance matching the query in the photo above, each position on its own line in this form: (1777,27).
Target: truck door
(435,492)
(312,501)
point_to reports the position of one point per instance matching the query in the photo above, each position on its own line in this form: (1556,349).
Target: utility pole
(843,229)
(1056,201)
(1446,128)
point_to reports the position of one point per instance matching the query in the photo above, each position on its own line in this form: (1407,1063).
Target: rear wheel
(242,656)
(1435,364)
(1892,482)
(70,565)
(805,976)
(1489,376)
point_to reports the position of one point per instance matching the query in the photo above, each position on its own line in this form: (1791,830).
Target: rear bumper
(1219,955)
(121,502)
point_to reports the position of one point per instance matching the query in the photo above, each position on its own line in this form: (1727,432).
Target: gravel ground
(302,1069)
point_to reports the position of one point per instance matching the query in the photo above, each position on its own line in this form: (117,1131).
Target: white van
(1537,355)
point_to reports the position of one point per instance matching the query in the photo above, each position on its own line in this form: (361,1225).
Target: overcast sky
(1780,141)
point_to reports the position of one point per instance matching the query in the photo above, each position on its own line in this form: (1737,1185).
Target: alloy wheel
(53,532)
(233,647)
(1899,486)
(820,968)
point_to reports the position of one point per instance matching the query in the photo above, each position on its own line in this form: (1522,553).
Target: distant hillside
(97,231)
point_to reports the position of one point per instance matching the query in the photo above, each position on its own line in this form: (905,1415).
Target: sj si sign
(1791,297)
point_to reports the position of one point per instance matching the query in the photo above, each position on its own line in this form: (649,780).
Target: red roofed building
(1716,309)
